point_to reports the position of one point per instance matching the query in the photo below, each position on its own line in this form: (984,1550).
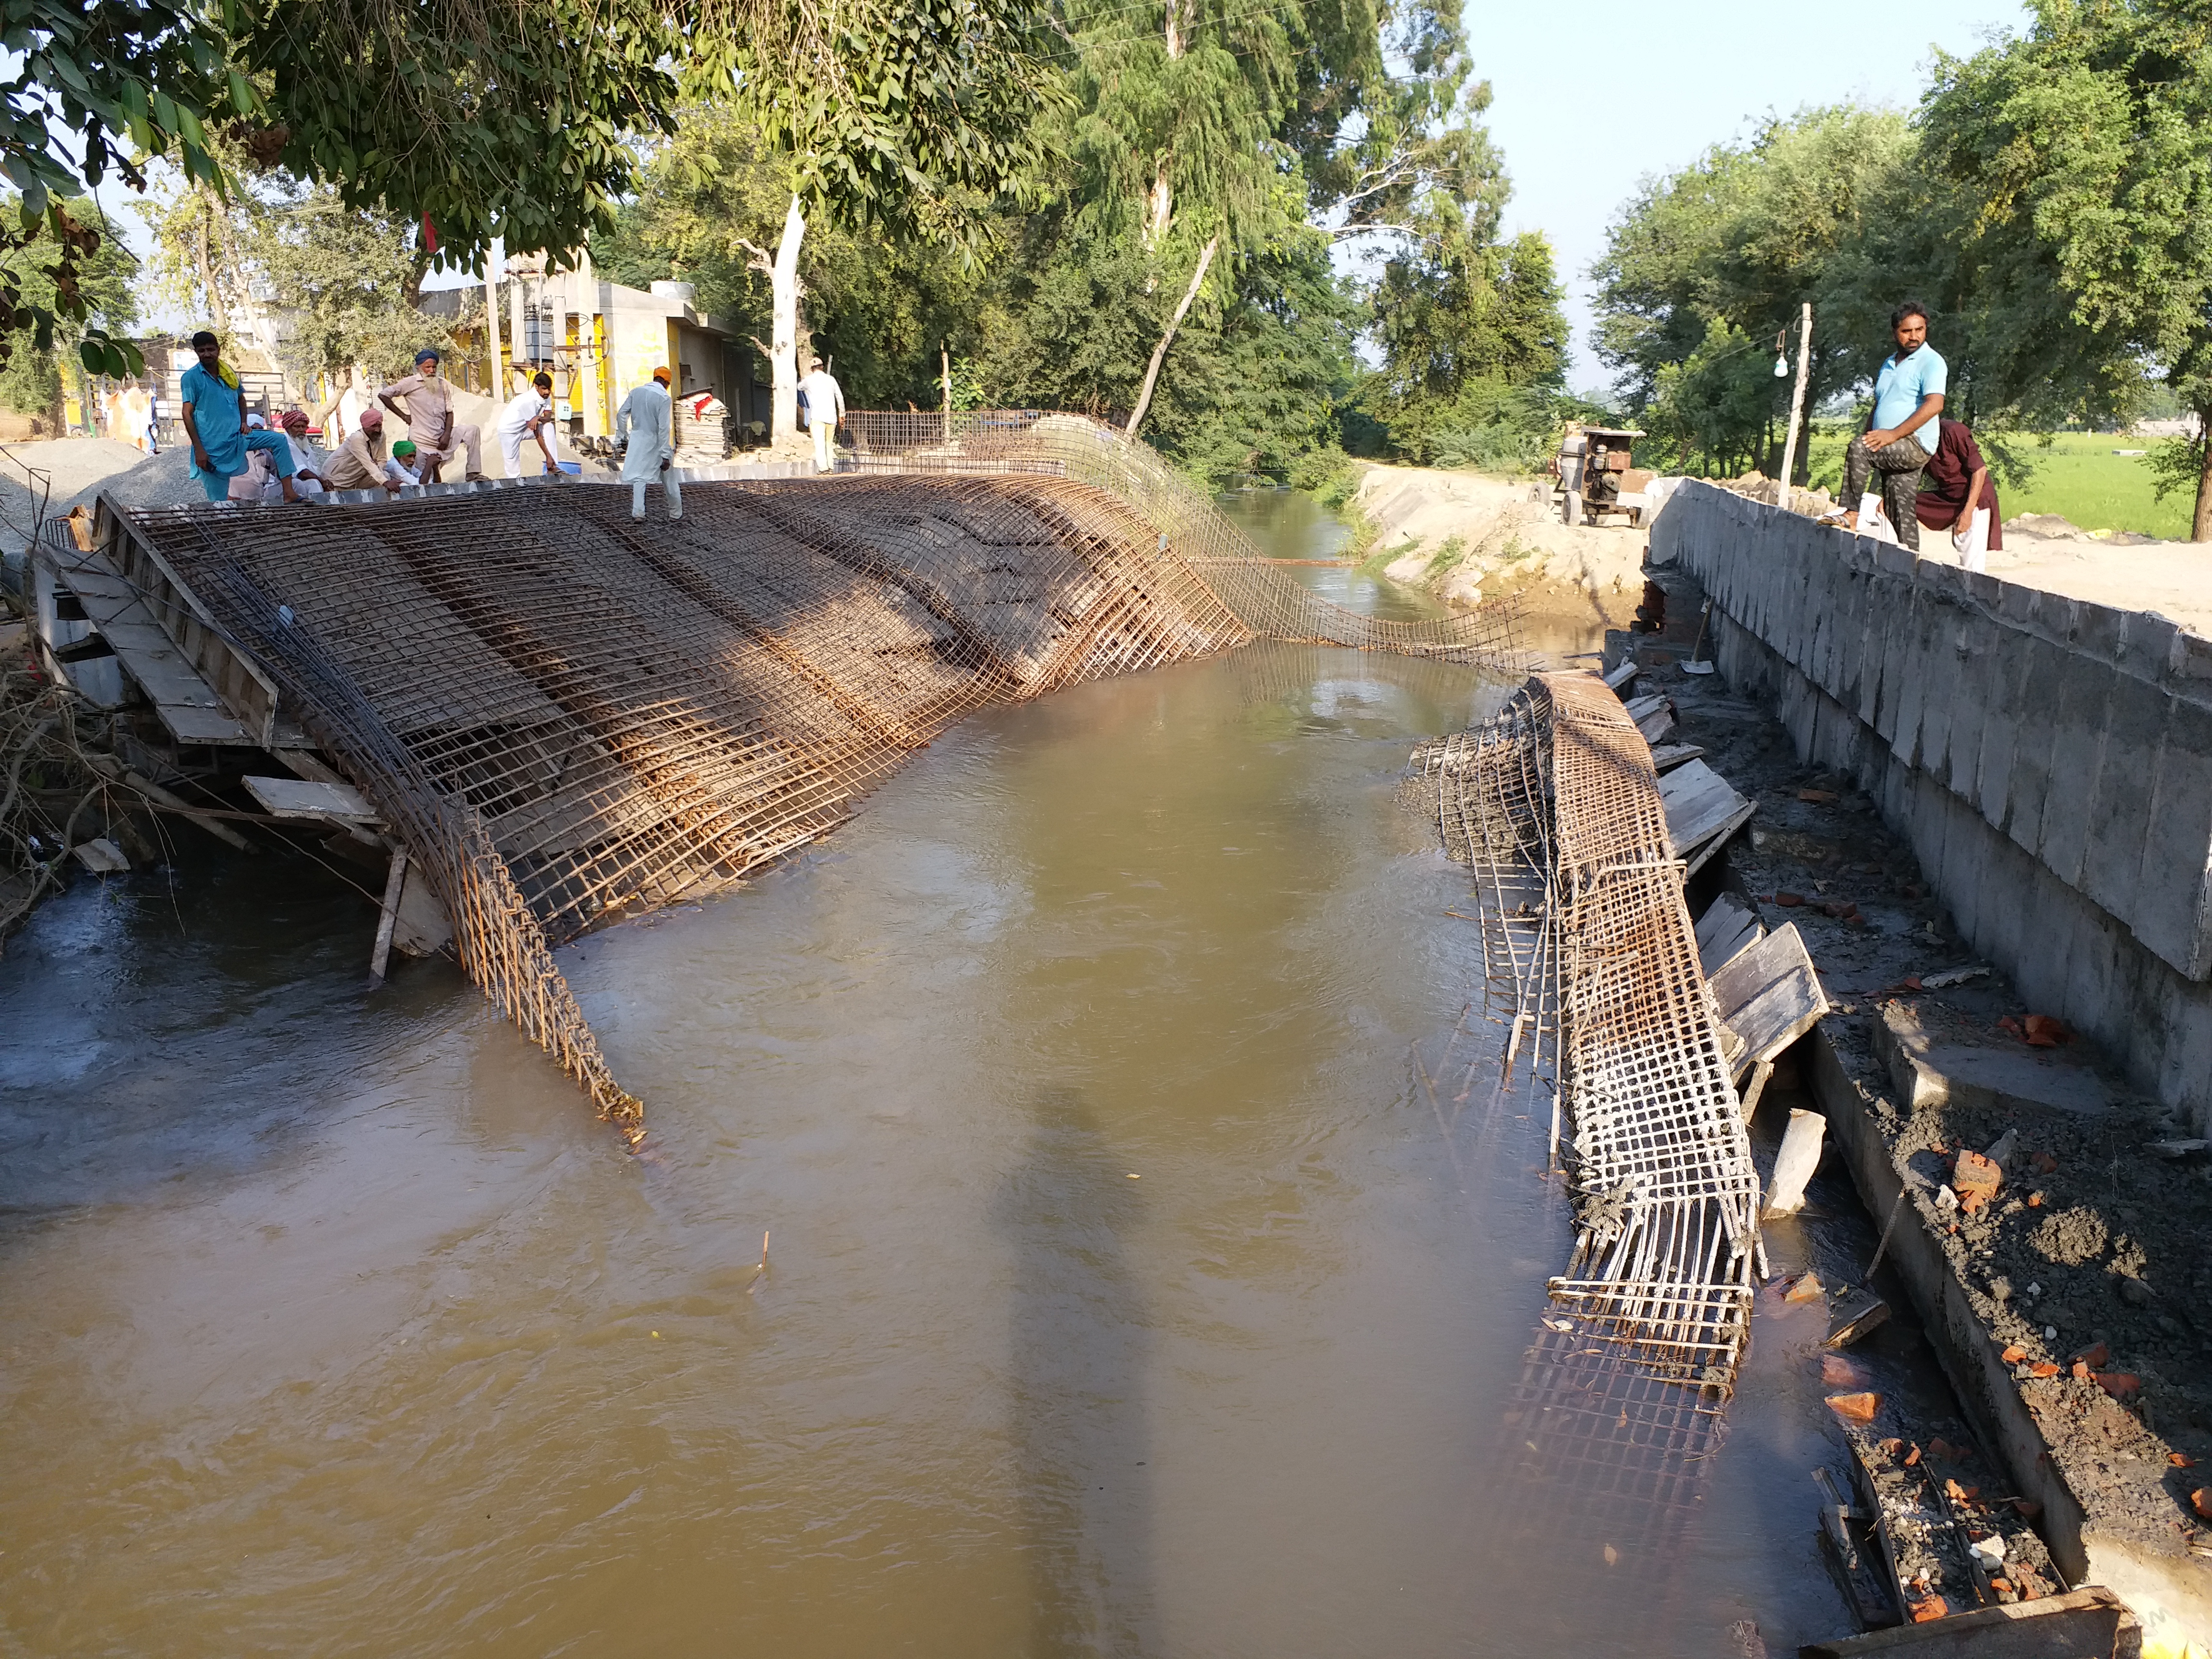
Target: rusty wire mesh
(1003,441)
(1555,804)
(567,715)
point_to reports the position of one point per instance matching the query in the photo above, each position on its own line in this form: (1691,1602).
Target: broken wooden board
(1621,676)
(1703,810)
(1770,995)
(1856,1551)
(149,659)
(297,798)
(1728,928)
(1653,714)
(1669,756)
(2083,1624)
(420,928)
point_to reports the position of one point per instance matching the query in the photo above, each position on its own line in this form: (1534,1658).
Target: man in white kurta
(825,407)
(643,420)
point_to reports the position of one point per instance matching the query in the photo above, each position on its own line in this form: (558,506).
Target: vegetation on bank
(2047,201)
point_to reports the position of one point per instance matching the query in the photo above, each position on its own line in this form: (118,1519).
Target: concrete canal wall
(2050,760)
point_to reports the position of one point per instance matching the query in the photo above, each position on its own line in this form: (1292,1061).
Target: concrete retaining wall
(2049,760)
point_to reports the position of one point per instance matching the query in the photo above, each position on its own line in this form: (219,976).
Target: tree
(95,71)
(31,374)
(2080,149)
(1826,207)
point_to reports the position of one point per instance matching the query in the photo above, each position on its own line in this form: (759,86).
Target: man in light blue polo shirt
(1908,396)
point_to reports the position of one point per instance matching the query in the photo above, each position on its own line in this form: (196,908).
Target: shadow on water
(1079,1345)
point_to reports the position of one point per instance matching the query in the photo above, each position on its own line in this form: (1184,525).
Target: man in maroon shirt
(1957,475)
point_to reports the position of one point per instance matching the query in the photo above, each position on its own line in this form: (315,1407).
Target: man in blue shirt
(1900,435)
(214,423)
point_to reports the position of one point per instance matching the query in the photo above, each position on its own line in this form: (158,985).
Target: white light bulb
(1781,368)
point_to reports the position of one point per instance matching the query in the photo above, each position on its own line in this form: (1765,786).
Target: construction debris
(564,719)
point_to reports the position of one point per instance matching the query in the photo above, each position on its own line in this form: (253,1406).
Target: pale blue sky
(1582,110)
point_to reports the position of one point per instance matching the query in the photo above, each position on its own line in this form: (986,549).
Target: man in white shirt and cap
(643,424)
(529,415)
(825,408)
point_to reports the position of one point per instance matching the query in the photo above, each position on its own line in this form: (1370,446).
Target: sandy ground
(2130,572)
(1513,539)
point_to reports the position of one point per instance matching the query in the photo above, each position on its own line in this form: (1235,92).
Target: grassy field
(2078,478)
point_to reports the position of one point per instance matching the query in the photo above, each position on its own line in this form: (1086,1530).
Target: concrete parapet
(2050,760)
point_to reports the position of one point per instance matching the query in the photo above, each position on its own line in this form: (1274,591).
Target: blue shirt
(1900,387)
(214,404)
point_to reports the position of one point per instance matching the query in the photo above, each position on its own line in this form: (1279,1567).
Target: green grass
(2078,478)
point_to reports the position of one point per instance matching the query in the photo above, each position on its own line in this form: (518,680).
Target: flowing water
(1132,1290)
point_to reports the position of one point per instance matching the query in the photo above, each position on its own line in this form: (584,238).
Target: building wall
(2049,760)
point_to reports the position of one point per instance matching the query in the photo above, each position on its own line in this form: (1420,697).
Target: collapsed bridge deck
(566,715)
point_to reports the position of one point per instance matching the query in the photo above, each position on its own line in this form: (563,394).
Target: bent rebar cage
(1554,804)
(567,716)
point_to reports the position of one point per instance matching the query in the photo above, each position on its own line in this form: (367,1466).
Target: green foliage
(93,72)
(2078,154)
(1703,269)
(31,374)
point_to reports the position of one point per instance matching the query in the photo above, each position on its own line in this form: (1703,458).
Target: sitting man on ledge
(1908,396)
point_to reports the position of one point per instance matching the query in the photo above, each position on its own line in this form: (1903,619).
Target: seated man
(214,423)
(359,464)
(399,466)
(311,471)
(1956,482)
(429,416)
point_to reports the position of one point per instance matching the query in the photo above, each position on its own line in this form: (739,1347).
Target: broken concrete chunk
(2004,1148)
(1795,1163)
(101,856)
(1806,1287)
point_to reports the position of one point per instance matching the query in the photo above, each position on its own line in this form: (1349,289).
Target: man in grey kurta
(643,421)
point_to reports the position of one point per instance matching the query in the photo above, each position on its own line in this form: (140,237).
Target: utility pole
(1796,403)
(491,318)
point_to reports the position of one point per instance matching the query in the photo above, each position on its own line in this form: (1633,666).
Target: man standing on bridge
(429,417)
(1900,435)
(214,425)
(825,407)
(643,424)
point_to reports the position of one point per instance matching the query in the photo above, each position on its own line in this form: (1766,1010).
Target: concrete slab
(2120,802)
(1948,1066)
(2077,735)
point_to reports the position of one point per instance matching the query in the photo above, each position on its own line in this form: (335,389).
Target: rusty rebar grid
(569,716)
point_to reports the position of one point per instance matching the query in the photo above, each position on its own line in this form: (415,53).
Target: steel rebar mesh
(1555,804)
(566,716)
(1269,602)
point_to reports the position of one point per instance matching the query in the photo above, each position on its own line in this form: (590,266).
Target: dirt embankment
(1468,536)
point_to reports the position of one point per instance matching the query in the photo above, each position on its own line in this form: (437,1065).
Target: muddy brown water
(1127,1293)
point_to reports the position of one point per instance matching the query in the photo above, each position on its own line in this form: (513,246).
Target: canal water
(1137,1284)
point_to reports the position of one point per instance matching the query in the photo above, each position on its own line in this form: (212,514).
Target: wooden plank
(210,726)
(1669,756)
(1622,675)
(1650,703)
(1728,928)
(1699,804)
(1719,838)
(1655,726)
(297,798)
(2083,1624)
(1770,995)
